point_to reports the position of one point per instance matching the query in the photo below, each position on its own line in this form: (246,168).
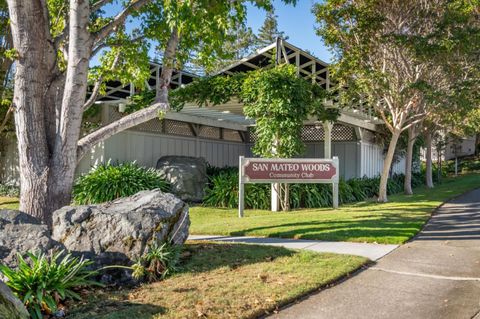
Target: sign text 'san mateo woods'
(289,170)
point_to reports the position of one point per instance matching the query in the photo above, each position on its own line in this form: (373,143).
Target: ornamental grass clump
(43,282)
(159,261)
(107,182)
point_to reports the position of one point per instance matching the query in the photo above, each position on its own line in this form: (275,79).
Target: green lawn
(223,281)
(393,223)
(8,203)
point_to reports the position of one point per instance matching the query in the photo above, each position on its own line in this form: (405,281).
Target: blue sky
(297,22)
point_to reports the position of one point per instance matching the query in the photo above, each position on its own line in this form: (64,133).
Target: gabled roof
(308,66)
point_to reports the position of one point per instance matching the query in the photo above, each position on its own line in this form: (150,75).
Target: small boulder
(187,176)
(10,306)
(118,232)
(22,233)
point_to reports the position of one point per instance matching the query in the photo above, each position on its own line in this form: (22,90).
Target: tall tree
(238,43)
(383,54)
(268,32)
(54,42)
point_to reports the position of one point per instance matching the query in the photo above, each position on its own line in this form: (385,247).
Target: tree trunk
(47,161)
(428,160)
(30,81)
(407,183)
(382,192)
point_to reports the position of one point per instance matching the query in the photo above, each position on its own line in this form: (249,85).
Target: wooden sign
(298,170)
(289,171)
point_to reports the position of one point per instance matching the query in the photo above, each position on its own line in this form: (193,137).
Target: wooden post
(335,195)
(275,198)
(241,188)
(335,185)
(327,142)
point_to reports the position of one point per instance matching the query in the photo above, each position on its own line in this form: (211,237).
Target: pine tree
(268,32)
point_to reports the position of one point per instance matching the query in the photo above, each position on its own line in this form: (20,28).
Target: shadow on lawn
(116,309)
(207,256)
(198,256)
(385,226)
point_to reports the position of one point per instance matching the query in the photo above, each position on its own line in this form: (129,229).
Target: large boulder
(118,232)
(187,176)
(10,306)
(21,233)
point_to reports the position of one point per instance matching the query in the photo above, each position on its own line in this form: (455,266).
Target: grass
(8,203)
(224,281)
(388,223)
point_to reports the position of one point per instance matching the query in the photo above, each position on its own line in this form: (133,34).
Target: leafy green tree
(277,98)
(268,32)
(237,45)
(54,41)
(385,54)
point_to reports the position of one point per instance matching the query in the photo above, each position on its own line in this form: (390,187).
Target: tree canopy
(405,58)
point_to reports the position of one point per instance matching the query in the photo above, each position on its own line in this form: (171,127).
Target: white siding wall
(147,148)
(9,163)
(372,159)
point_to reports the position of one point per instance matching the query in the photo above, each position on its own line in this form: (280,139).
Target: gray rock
(10,306)
(117,233)
(187,176)
(21,233)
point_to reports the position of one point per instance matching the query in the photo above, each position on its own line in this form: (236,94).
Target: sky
(298,24)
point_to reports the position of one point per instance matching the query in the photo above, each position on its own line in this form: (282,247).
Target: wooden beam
(178,116)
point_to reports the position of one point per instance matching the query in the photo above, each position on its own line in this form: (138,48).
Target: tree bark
(48,102)
(30,84)
(428,160)
(382,192)
(407,183)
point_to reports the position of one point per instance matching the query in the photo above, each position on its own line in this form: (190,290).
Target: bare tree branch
(98,85)
(126,122)
(6,118)
(99,4)
(119,20)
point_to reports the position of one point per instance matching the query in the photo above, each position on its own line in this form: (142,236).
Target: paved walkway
(435,276)
(371,251)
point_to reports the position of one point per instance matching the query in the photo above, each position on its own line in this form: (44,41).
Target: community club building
(221,133)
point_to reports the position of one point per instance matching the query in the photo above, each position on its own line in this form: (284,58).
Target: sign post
(295,170)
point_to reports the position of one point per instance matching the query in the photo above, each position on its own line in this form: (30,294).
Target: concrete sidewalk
(371,251)
(437,275)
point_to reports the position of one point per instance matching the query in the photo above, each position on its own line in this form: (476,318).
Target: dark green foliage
(9,190)
(223,190)
(42,282)
(107,182)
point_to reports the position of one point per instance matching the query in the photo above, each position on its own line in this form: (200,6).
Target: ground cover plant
(9,190)
(393,222)
(108,181)
(44,282)
(256,279)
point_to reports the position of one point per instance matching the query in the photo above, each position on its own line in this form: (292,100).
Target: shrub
(158,262)
(9,190)
(43,282)
(222,190)
(107,182)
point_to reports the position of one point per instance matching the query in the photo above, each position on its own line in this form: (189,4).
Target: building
(221,133)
